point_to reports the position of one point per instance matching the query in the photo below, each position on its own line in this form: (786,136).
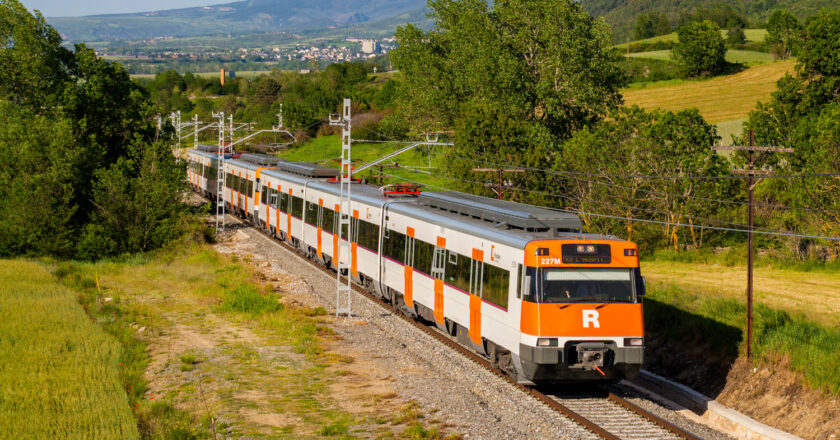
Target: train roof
(211,155)
(510,215)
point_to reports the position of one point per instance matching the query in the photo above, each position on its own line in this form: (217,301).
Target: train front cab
(581,312)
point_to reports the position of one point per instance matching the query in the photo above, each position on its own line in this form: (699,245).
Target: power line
(614,185)
(642,176)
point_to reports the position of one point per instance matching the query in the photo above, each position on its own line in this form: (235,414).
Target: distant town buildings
(371,46)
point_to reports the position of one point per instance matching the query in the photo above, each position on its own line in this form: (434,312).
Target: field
(724,98)
(59,372)
(753,35)
(748,57)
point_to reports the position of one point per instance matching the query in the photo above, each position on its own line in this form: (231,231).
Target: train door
(408,293)
(439,274)
(476,276)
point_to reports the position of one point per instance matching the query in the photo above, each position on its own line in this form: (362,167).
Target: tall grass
(736,256)
(59,373)
(813,349)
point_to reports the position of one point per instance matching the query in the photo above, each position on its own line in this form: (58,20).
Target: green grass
(753,35)
(59,372)
(748,57)
(727,129)
(247,299)
(813,349)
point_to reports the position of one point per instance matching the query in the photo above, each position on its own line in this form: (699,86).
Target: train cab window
(562,285)
(496,284)
(520,280)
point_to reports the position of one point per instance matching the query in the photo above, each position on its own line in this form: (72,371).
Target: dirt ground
(235,376)
(775,395)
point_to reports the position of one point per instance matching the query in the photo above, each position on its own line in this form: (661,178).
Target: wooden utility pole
(499,181)
(751,172)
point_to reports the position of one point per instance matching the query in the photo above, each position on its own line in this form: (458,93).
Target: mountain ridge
(239,17)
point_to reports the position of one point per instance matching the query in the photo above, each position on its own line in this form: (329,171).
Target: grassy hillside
(621,14)
(59,374)
(753,35)
(724,98)
(748,57)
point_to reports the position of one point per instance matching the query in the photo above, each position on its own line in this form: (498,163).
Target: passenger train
(519,284)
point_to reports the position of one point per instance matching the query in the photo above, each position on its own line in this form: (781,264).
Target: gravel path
(474,402)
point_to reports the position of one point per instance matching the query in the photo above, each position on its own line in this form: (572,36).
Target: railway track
(611,417)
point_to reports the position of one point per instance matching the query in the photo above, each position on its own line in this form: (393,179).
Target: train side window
(329,220)
(520,279)
(394,246)
(264,195)
(495,285)
(458,271)
(250,187)
(423,254)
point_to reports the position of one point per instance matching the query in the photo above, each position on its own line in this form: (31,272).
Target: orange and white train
(519,284)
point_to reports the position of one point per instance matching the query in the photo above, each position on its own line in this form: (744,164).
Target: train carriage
(202,170)
(520,284)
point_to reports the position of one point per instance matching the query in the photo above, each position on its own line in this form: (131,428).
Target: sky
(65,8)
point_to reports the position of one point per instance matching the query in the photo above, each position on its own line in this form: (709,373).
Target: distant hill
(621,14)
(239,17)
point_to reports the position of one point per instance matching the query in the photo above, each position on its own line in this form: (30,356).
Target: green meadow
(59,372)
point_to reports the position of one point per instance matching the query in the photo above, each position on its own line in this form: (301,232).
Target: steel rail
(480,360)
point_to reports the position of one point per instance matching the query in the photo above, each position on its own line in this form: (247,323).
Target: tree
(803,113)
(735,36)
(651,25)
(633,142)
(543,69)
(783,33)
(138,203)
(66,117)
(700,49)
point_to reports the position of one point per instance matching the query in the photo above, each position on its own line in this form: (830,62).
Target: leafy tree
(138,203)
(513,78)
(721,14)
(634,142)
(38,169)
(701,49)
(735,36)
(803,113)
(783,33)
(69,115)
(651,25)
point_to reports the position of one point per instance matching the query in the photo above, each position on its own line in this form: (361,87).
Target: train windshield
(567,285)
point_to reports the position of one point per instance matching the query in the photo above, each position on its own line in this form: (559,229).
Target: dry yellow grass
(813,294)
(723,98)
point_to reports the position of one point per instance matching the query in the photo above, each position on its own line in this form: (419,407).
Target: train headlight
(546,342)
(633,342)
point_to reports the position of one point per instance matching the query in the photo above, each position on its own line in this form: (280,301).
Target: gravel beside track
(474,401)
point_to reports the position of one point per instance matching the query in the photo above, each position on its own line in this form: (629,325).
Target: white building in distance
(371,46)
